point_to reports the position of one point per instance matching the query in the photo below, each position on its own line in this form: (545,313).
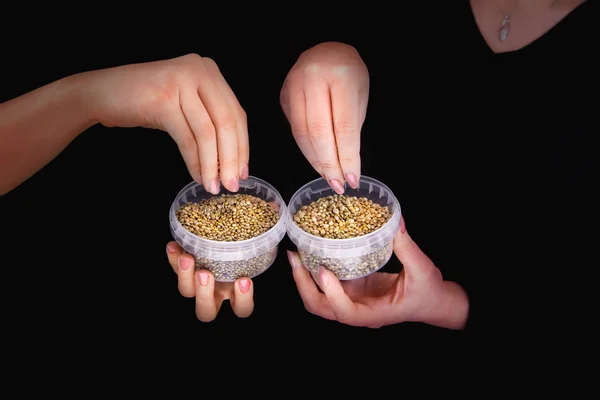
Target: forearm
(452,310)
(37,126)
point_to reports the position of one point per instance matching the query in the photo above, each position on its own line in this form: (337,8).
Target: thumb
(416,264)
(284,100)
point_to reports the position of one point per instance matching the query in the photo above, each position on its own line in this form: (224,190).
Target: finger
(185,275)
(345,104)
(206,307)
(320,129)
(225,120)
(242,121)
(173,251)
(297,118)
(176,124)
(205,136)
(416,263)
(243,298)
(314,302)
(345,310)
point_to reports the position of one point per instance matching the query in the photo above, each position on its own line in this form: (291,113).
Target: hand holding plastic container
(230,260)
(347,258)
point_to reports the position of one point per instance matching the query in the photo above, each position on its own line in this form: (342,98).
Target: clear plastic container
(347,258)
(229,261)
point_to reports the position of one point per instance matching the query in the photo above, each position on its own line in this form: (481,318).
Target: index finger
(314,301)
(345,104)
(416,264)
(346,311)
(320,129)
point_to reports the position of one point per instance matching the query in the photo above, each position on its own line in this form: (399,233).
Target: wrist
(76,88)
(452,308)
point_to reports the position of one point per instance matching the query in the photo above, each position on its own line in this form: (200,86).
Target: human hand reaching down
(187,97)
(324,98)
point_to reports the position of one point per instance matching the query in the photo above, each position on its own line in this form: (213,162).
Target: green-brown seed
(344,217)
(228,217)
(341,217)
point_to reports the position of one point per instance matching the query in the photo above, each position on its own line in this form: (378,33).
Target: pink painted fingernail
(202,277)
(171,247)
(337,186)
(244,285)
(184,264)
(352,181)
(234,184)
(323,276)
(214,186)
(291,259)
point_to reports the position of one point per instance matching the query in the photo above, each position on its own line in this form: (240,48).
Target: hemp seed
(231,218)
(344,217)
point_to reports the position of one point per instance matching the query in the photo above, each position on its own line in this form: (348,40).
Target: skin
(418,293)
(324,98)
(529,20)
(186,97)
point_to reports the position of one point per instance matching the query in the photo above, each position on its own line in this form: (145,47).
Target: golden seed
(341,217)
(221,218)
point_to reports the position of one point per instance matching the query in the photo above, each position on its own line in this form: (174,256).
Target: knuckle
(345,319)
(310,307)
(328,166)
(227,123)
(209,62)
(207,131)
(193,58)
(229,164)
(319,131)
(344,128)
(187,142)
(299,132)
(347,160)
(242,116)
(312,69)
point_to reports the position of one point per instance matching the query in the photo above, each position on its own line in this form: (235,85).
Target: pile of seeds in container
(344,217)
(228,218)
(341,217)
(231,218)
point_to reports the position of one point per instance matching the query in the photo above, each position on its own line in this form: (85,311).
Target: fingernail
(171,247)
(337,186)
(323,276)
(234,184)
(185,264)
(245,172)
(199,180)
(352,181)
(402,224)
(244,285)
(203,278)
(214,186)
(291,258)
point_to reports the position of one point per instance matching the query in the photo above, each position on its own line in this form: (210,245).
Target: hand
(417,294)
(209,294)
(324,98)
(187,97)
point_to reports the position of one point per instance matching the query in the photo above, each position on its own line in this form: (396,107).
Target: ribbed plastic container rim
(344,248)
(229,251)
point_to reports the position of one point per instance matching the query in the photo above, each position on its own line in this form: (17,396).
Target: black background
(450,128)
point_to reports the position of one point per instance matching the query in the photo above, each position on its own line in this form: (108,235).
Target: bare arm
(37,126)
